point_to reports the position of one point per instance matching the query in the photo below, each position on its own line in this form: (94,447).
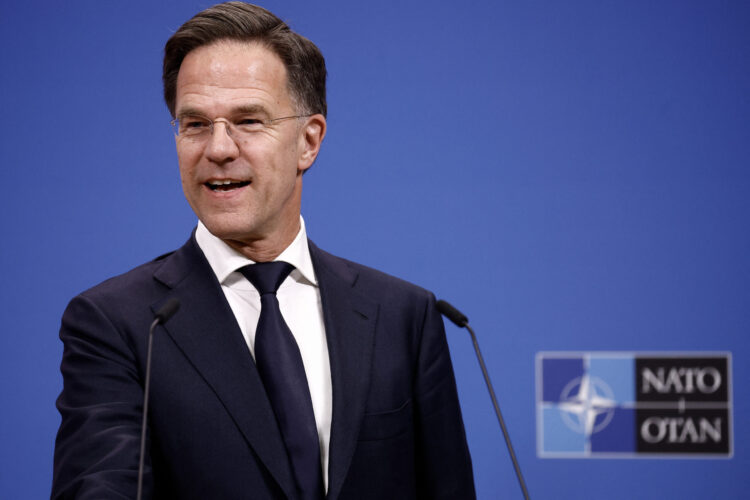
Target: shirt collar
(225,260)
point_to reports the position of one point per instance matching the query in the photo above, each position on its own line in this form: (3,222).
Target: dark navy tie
(280,367)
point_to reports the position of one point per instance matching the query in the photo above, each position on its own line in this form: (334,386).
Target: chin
(228,229)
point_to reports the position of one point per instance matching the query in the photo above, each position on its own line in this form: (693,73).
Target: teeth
(226,184)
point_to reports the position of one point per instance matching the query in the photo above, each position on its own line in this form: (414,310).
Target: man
(362,401)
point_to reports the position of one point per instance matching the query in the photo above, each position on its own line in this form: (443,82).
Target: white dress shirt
(299,301)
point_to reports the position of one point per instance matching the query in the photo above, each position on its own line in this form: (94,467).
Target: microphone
(162,316)
(167,310)
(460,320)
(452,314)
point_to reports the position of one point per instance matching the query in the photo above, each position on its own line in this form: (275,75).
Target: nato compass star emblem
(587,404)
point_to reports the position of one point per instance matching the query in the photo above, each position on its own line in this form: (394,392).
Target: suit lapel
(350,321)
(207,333)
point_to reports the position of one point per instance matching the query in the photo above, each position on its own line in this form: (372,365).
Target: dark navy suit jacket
(396,430)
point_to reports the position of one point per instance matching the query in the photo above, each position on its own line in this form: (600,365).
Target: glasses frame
(230,127)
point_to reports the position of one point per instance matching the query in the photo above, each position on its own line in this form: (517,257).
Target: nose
(220,147)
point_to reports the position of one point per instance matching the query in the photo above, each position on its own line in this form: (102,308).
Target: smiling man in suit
(287,372)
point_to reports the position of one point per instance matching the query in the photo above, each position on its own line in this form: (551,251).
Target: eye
(190,125)
(248,123)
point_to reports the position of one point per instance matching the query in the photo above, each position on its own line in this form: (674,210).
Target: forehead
(231,73)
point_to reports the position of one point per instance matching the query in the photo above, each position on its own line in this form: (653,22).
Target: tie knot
(266,277)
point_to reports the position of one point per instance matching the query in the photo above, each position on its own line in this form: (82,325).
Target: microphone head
(452,313)
(167,310)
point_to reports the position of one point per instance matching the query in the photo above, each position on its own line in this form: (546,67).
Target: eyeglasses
(239,127)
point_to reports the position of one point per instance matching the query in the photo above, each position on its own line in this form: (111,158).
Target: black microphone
(462,321)
(162,316)
(167,310)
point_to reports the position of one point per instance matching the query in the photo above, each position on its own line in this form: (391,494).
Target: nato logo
(629,405)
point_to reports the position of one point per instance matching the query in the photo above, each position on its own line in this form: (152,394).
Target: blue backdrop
(573,175)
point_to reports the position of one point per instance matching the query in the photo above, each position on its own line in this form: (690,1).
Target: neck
(265,249)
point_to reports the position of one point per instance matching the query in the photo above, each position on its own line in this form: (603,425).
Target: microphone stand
(460,320)
(161,317)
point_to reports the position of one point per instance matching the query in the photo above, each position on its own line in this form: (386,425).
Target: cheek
(187,160)
(184,178)
(187,167)
(187,187)
(279,153)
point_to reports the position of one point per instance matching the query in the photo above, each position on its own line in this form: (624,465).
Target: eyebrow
(241,109)
(250,109)
(189,112)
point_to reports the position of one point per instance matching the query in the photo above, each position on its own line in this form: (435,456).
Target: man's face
(245,189)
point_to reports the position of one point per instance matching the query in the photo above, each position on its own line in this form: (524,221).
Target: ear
(310,138)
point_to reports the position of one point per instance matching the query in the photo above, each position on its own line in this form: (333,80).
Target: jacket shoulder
(373,281)
(129,283)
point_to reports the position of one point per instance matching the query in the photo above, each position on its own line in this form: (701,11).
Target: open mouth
(226,185)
